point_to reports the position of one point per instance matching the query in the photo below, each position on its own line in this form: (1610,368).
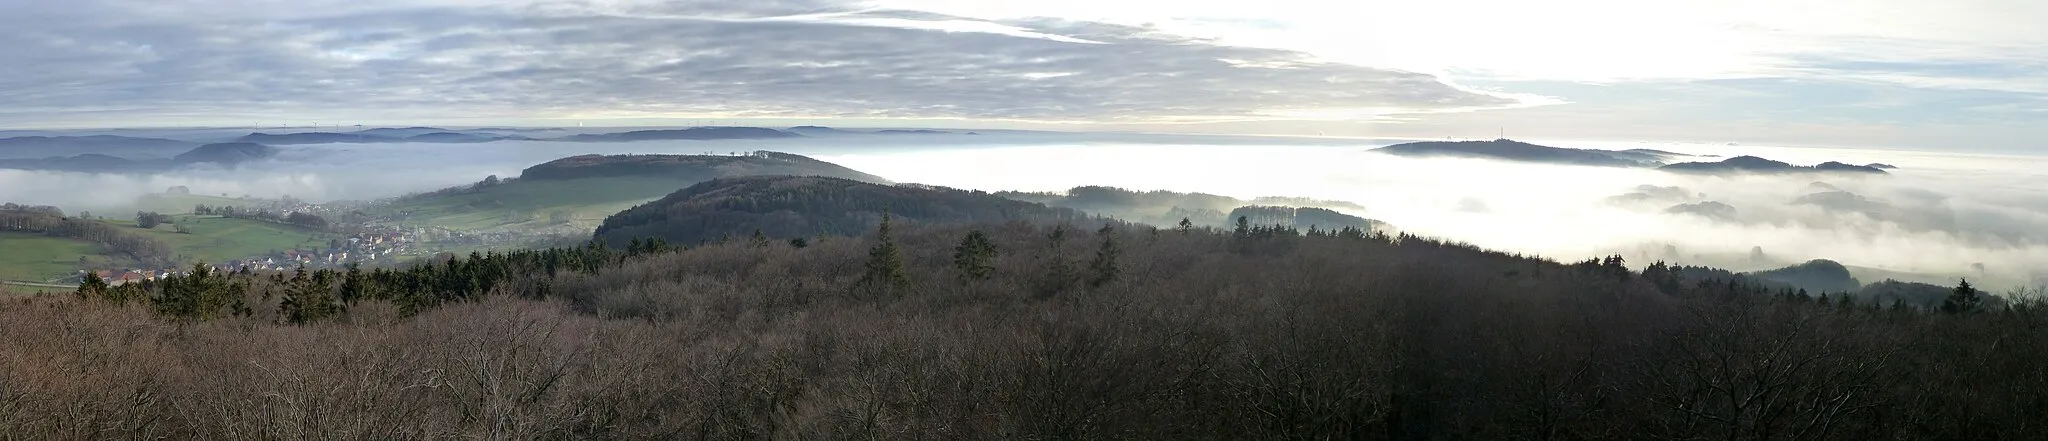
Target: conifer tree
(974,255)
(1185,226)
(353,288)
(93,287)
(1964,298)
(1059,273)
(885,263)
(758,240)
(1103,269)
(307,299)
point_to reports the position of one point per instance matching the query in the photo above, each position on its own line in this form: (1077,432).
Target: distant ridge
(1512,150)
(1756,165)
(693,133)
(125,146)
(692,168)
(310,138)
(828,131)
(226,154)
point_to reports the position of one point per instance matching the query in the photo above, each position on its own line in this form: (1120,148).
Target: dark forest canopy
(1818,275)
(1303,218)
(788,206)
(1015,331)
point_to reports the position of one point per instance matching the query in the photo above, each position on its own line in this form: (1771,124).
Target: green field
(35,257)
(526,204)
(216,239)
(32,257)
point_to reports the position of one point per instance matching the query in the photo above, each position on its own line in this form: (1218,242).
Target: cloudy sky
(1940,75)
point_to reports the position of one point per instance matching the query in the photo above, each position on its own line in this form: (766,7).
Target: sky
(1960,75)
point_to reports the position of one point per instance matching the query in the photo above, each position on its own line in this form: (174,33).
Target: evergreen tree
(758,240)
(353,286)
(307,299)
(1103,269)
(93,287)
(1244,228)
(799,243)
(1185,226)
(974,256)
(1059,273)
(885,263)
(1964,298)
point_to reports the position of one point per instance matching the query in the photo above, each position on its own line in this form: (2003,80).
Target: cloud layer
(123,60)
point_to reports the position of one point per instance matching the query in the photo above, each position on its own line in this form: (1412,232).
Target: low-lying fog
(1937,215)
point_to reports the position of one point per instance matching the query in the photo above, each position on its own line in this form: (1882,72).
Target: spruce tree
(1103,269)
(1059,273)
(353,288)
(885,263)
(93,287)
(758,240)
(1964,298)
(307,299)
(974,256)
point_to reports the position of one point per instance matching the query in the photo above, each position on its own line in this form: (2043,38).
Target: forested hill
(787,206)
(692,167)
(1511,150)
(1158,207)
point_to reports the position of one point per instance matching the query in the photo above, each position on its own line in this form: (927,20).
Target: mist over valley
(1935,216)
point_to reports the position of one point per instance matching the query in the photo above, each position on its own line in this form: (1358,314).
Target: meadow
(37,258)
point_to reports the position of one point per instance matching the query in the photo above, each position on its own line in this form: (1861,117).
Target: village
(368,246)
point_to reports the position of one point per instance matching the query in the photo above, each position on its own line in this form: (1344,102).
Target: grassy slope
(34,257)
(590,199)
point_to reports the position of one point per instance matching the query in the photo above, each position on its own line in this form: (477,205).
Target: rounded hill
(791,206)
